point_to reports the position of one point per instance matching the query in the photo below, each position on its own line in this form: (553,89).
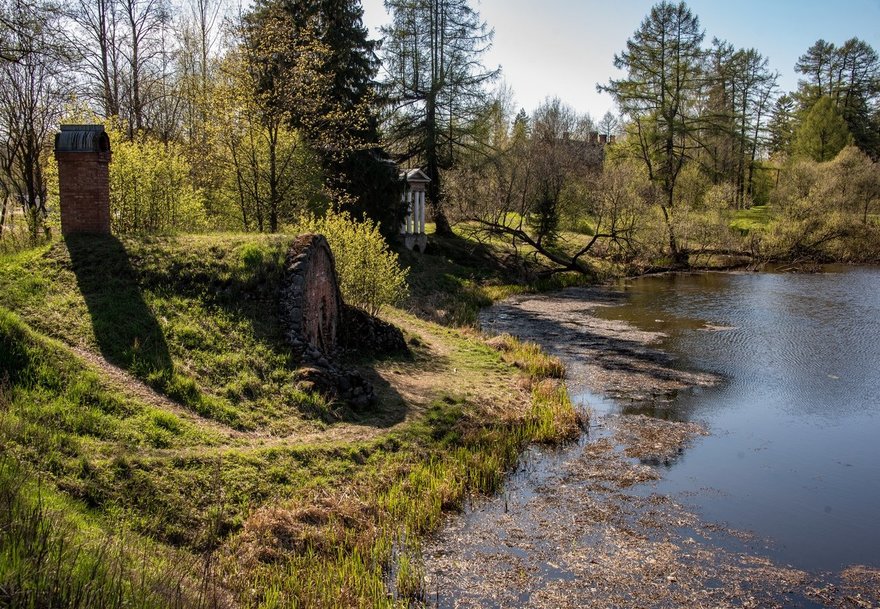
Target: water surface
(795,451)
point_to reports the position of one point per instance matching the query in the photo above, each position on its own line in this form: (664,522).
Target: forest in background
(225,118)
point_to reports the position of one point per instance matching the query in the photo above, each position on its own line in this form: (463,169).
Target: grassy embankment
(157,452)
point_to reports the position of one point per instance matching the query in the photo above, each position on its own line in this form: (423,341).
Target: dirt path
(582,527)
(130,386)
(405,389)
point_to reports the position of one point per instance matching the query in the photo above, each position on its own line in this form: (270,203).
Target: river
(772,496)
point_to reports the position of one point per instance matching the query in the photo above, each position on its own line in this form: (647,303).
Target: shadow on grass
(393,407)
(125,328)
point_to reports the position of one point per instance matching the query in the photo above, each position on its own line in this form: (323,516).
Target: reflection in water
(794,455)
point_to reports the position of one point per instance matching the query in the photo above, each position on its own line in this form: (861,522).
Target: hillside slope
(147,387)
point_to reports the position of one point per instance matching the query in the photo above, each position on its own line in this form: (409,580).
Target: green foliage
(151,188)
(850,75)
(664,62)
(435,87)
(267,174)
(823,132)
(826,211)
(369,273)
(373,189)
(337,116)
(782,125)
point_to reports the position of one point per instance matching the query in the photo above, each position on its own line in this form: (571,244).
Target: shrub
(151,189)
(369,273)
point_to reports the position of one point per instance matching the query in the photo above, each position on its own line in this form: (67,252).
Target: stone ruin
(312,300)
(319,326)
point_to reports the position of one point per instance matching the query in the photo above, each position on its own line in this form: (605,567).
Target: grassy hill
(157,450)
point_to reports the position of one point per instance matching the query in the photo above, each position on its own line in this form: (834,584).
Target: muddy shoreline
(581,526)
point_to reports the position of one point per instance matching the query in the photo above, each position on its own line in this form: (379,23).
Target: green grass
(194,317)
(756,217)
(289,500)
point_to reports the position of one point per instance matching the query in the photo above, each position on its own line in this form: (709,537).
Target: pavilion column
(406,218)
(422,213)
(415,212)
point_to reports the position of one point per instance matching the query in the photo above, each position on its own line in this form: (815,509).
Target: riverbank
(154,434)
(582,526)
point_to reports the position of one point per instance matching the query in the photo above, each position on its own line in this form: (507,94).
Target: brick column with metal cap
(83,155)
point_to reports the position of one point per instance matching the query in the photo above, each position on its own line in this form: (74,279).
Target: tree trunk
(442,226)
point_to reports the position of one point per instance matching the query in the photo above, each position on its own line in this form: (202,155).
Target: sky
(564,48)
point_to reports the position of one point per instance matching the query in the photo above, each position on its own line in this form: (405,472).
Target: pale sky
(563,48)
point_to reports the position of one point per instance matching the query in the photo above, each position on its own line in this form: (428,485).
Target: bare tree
(33,91)
(609,125)
(144,22)
(199,37)
(95,36)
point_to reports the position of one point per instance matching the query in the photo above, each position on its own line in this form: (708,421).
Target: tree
(823,132)
(740,87)
(824,209)
(33,90)
(608,125)
(151,189)
(850,75)
(559,156)
(96,41)
(545,170)
(782,124)
(818,64)
(435,86)
(663,61)
(267,163)
(198,58)
(144,21)
(343,128)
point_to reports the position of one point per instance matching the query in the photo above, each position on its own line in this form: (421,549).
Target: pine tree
(850,75)
(435,86)
(663,60)
(782,125)
(339,121)
(823,132)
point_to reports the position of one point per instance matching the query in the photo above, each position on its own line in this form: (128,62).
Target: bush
(151,189)
(369,273)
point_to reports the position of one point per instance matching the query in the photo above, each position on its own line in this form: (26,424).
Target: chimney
(603,139)
(83,155)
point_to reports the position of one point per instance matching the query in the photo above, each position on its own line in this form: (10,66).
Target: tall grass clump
(455,452)
(369,273)
(528,357)
(48,559)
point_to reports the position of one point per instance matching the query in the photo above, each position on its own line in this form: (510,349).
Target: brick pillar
(83,155)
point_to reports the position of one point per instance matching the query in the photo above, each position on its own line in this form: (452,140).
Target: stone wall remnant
(312,303)
(320,326)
